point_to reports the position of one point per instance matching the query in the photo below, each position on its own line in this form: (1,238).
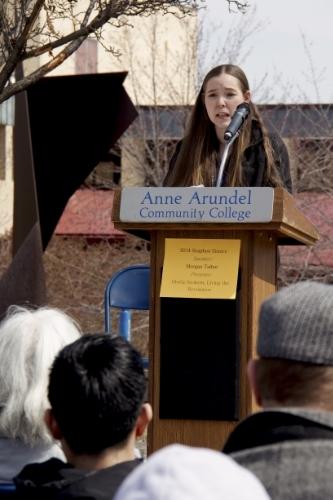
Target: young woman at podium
(199,356)
(224,109)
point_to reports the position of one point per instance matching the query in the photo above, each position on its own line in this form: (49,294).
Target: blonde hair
(198,155)
(29,343)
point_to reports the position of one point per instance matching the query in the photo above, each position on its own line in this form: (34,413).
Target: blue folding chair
(7,490)
(127,290)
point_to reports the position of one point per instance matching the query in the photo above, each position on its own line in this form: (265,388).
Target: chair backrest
(128,289)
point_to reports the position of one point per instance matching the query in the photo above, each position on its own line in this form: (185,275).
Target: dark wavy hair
(96,390)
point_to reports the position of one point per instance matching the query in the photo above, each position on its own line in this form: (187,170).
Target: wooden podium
(190,365)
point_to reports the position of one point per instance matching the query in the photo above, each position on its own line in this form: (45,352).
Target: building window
(314,158)
(2,152)
(157,158)
(107,174)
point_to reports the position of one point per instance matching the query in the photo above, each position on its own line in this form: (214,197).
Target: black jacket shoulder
(254,161)
(56,480)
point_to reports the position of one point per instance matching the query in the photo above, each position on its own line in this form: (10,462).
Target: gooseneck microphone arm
(231,133)
(226,148)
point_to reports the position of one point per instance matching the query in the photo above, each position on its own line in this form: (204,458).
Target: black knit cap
(296,323)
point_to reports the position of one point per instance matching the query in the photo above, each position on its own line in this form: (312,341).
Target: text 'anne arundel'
(198,198)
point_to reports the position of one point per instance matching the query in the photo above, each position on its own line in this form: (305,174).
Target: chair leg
(145,363)
(125,324)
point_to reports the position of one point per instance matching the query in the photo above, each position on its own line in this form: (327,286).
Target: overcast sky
(293,47)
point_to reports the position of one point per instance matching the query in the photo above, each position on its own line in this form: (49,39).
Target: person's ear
(146,414)
(52,424)
(247,96)
(252,376)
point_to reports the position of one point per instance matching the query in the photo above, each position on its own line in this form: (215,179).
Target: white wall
(6,178)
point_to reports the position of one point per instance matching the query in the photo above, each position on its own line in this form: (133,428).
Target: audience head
(182,472)
(29,341)
(96,390)
(295,346)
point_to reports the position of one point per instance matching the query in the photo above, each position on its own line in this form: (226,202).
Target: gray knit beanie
(296,324)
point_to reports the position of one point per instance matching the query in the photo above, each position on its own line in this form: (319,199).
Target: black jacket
(57,480)
(254,161)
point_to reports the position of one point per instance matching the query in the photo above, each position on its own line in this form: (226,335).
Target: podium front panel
(199,359)
(183,412)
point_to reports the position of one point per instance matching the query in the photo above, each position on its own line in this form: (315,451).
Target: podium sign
(197,204)
(200,268)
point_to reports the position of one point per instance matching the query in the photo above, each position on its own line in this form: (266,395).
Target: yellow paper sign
(200,268)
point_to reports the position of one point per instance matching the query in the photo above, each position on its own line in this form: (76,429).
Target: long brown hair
(198,155)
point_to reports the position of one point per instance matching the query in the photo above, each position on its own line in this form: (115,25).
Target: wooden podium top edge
(288,223)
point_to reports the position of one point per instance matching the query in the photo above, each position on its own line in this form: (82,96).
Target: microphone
(237,120)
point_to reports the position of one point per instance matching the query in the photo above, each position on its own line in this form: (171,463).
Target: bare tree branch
(18,44)
(30,29)
(36,27)
(240,5)
(53,63)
